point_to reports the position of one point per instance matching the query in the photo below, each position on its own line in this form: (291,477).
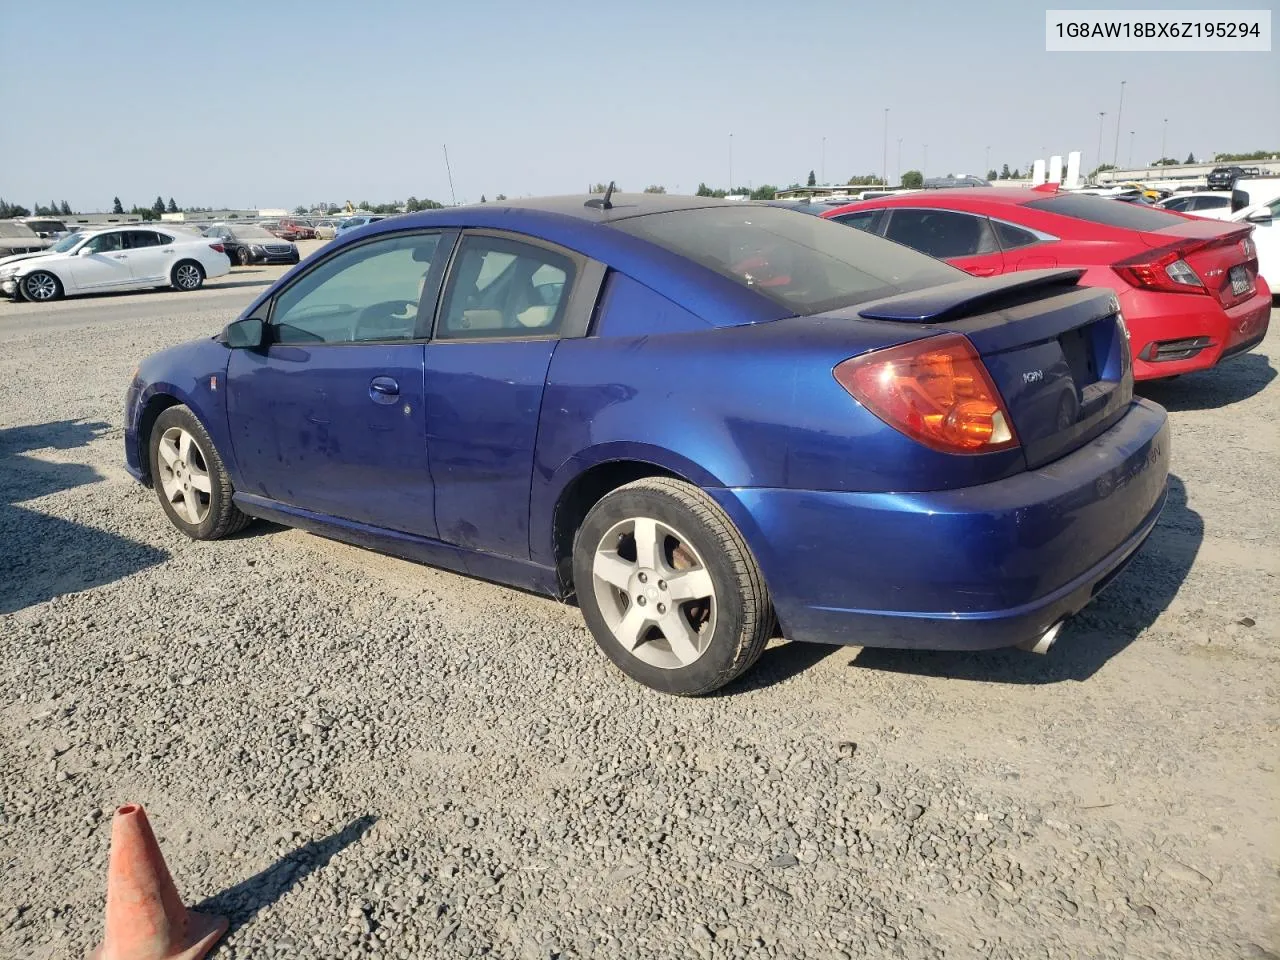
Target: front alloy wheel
(41,286)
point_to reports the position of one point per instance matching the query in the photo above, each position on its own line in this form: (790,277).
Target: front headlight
(255,248)
(8,272)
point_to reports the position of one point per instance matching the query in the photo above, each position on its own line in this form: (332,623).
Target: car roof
(963,197)
(623,205)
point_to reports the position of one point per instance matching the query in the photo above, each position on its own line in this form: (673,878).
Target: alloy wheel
(655,592)
(40,286)
(188,276)
(184,475)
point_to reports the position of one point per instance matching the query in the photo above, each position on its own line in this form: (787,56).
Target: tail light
(217,248)
(1167,272)
(936,391)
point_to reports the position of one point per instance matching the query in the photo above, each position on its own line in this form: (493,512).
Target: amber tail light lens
(934,390)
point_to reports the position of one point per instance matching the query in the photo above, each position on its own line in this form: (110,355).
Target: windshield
(66,243)
(805,264)
(12,229)
(251,233)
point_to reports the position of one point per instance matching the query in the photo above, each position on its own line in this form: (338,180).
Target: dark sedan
(248,243)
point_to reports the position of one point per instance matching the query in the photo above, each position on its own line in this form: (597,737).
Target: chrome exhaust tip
(1043,643)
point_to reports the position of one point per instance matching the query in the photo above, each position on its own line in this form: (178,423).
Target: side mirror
(1259,216)
(85,251)
(244,334)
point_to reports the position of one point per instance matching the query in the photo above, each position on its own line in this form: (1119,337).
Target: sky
(284,102)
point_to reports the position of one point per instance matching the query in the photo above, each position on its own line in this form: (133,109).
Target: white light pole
(1115,158)
(1101,117)
(884,160)
(1130,149)
(1164,137)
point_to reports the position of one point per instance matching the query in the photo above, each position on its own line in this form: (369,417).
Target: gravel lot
(357,756)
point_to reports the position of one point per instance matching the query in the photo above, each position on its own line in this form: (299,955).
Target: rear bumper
(969,569)
(1217,333)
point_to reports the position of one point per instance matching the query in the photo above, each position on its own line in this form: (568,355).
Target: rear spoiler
(952,300)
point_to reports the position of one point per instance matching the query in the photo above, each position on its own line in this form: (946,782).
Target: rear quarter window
(1108,213)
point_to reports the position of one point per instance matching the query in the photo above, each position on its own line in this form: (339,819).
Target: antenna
(452,195)
(606,203)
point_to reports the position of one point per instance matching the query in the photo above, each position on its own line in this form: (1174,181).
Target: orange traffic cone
(145,918)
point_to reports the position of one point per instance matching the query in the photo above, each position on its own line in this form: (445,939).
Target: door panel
(148,258)
(335,428)
(483,401)
(106,266)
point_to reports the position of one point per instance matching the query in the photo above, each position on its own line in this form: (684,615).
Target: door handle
(118,256)
(982,271)
(384,390)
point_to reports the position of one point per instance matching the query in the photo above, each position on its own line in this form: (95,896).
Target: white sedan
(1265,218)
(1211,204)
(135,257)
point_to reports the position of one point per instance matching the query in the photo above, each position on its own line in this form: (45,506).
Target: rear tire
(243,257)
(669,588)
(190,479)
(187,275)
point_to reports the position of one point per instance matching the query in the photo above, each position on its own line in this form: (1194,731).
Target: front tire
(40,286)
(190,479)
(187,276)
(669,589)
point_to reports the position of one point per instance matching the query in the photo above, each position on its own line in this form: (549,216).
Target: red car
(293,229)
(1189,288)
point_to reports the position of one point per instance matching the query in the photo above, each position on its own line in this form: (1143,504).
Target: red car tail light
(217,247)
(936,391)
(1167,272)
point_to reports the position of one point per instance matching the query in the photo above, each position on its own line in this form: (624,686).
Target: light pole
(884,160)
(1101,117)
(1115,158)
(1164,136)
(1130,149)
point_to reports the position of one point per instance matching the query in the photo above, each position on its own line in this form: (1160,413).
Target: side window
(1210,203)
(106,242)
(941,233)
(1179,205)
(367,293)
(504,288)
(1012,237)
(136,239)
(862,220)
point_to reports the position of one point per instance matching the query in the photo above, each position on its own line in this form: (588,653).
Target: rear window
(805,264)
(1109,213)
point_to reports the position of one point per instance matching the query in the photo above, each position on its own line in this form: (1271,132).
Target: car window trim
(432,288)
(588,278)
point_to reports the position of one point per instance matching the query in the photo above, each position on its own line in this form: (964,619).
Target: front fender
(192,374)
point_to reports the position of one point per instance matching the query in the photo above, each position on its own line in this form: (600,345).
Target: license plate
(1240,284)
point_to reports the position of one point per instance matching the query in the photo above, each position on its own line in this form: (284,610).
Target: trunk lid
(1057,352)
(1221,254)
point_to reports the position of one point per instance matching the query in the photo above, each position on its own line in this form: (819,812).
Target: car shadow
(1236,380)
(42,556)
(1103,629)
(241,903)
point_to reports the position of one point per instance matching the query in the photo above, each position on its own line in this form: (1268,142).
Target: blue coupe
(711,422)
